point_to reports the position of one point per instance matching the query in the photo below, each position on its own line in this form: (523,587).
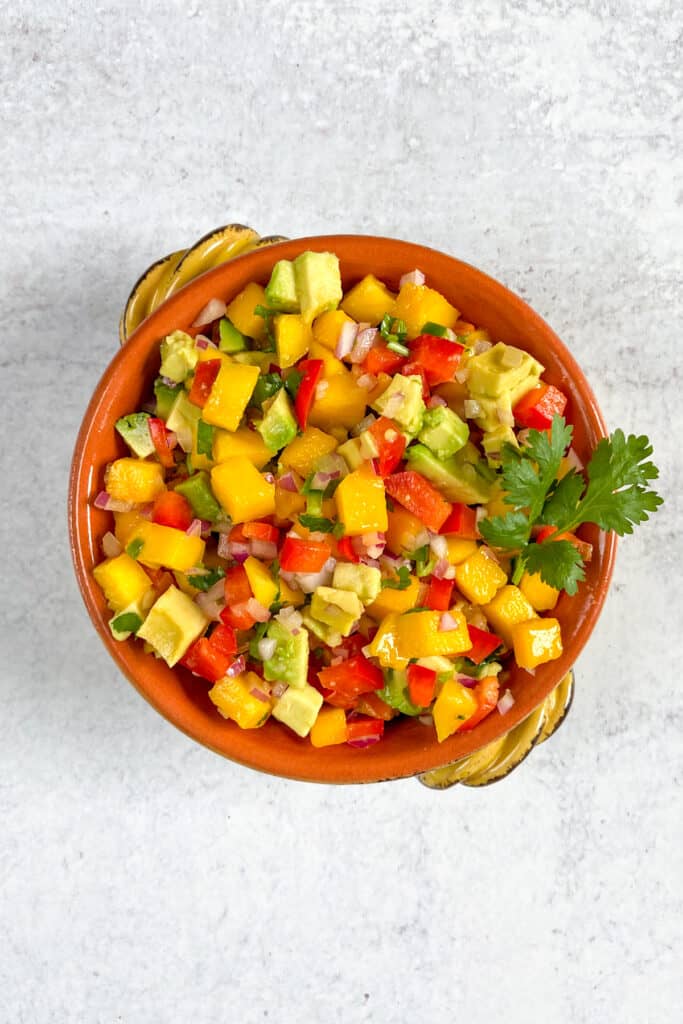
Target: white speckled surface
(141,877)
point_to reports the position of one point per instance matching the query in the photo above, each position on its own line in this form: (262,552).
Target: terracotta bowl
(408,747)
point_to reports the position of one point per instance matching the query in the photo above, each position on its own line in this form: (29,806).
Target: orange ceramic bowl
(408,747)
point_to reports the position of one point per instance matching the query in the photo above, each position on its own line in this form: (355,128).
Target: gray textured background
(141,877)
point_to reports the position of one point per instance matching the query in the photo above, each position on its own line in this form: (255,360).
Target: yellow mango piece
(361,502)
(230,395)
(507,608)
(134,480)
(240,312)
(165,546)
(454,394)
(242,491)
(454,705)
(174,622)
(479,578)
(419,635)
(384,644)
(329,727)
(402,529)
(536,641)
(540,595)
(459,549)
(417,305)
(124,525)
(368,301)
(263,586)
(234,700)
(209,354)
(390,601)
(339,402)
(243,441)
(326,328)
(290,596)
(331,365)
(305,452)
(288,504)
(292,338)
(122,580)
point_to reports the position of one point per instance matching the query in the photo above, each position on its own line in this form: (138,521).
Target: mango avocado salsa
(339,508)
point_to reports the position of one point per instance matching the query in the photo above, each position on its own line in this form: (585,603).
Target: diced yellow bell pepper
(122,580)
(340,403)
(329,728)
(361,502)
(402,529)
(327,326)
(134,480)
(507,608)
(331,365)
(540,595)
(263,586)
(240,312)
(395,601)
(368,301)
(290,596)
(305,452)
(454,705)
(417,305)
(288,504)
(173,623)
(164,545)
(234,700)
(419,635)
(384,644)
(230,395)
(292,338)
(124,525)
(536,641)
(479,578)
(242,491)
(459,549)
(243,441)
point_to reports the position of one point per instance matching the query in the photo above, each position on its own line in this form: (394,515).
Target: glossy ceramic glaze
(408,747)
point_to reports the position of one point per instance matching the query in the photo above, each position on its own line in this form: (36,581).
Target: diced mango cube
(417,305)
(327,326)
(305,452)
(454,705)
(507,608)
(288,504)
(329,728)
(290,596)
(331,365)
(368,301)
(234,700)
(173,623)
(124,525)
(123,581)
(361,502)
(540,595)
(292,338)
(230,395)
(240,312)
(479,578)
(459,549)
(243,441)
(134,480)
(384,644)
(263,586)
(420,635)
(243,492)
(391,601)
(164,545)
(536,641)
(339,402)
(402,530)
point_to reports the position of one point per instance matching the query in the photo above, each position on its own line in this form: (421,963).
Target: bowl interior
(408,747)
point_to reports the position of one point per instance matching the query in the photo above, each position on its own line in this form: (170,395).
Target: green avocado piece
(298,709)
(278,426)
(230,339)
(329,636)
(165,396)
(253,358)
(289,663)
(395,693)
(184,414)
(499,369)
(457,478)
(281,291)
(318,283)
(443,431)
(198,492)
(363,580)
(351,453)
(173,623)
(339,609)
(134,429)
(493,441)
(402,402)
(178,356)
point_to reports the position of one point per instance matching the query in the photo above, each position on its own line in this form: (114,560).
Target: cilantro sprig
(614,495)
(400,582)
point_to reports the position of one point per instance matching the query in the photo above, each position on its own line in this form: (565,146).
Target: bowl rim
(385,762)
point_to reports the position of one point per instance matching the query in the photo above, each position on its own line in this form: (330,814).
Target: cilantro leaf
(294,378)
(318,523)
(529,472)
(564,498)
(135,547)
(508,531)
(205,580)
(559,563)
(401,582)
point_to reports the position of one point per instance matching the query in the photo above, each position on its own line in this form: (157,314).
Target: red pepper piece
(462,522)
(203,380)
(361,732)
(237,594)
(483,644)
(439,357)
(303,555)
(223,639)
(212,656)
(421,685)
(345,549)
(486,692)
(381,359)
(311,369)
(172,509)
(537,408)
(583,547)
(160,440)
(343,683)
(391,444)
(416,494)
(439,594)
(373,705)
(260,531)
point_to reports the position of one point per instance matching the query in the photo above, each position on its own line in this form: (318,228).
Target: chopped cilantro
(204,438)
(205,580)
(135,547)
(400,582)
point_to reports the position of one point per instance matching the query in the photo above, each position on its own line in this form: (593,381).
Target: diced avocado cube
(402,402)
(230,339)
(456,478)
(493,441)
(134,429)
(367,445)
(184,414)
(289,663)
(443,431)
(278,426)
(395,692)
(253,358)
(351,453)
(178,356)
(318,283)
(340,609)
(173,623)
(197,490)
(329,636)
(363,580)
(499,369)
(281,293)
(165,396)
(299,709)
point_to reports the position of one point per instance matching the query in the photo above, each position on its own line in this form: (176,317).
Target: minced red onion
(202,342)
(368,560)
(110,545)
(364,424)
(439,546)
(505,702)
(104,500)
(365,339)
(481,346)
(260,694)
(211,608)
(366,381)
(256,610)
(169,382)
(265,549)
(447,623)
(441,568)
(269,478)
(213,310)
(413,277)
(288,483)
(366,741)
(278,689)
(195,528)
(346,339)
(469,681)
(435,401)
(266,648)
(237,668)
(321,480)
(462,374)
(449,573)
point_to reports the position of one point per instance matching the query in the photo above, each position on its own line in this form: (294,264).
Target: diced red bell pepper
(438,596)
(303,555)
(486,692)
(416,370)
(416,494)
(260,531)
(238,616)
(373,705)
(462,522)
(204,376)
(343,683)
(161,441)
(421,685)
(439,357)
(346,550)
(237,594)
(537,408)
(583,547)
(212,656)
(362,732)
(223,639)
(483,644)
(381,359)
(172,509)
(391,444)
(311,369)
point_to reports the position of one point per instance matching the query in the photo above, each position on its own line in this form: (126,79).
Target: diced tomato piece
(439,594)
(373,705)
(439,357)
(343,683)
(303,555)
(416,370)
(583,547)
(416,494)
(421,685)
(172,509)
(462,522)
(260,531)
(483,644)
(381,359)
(311,369)
(208,657)
(161,441)
(237,587)
(345,549)
(361,731)
(537,408)
(391,444)
(223,639)
(486,692)
(238,616)
(204,376)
